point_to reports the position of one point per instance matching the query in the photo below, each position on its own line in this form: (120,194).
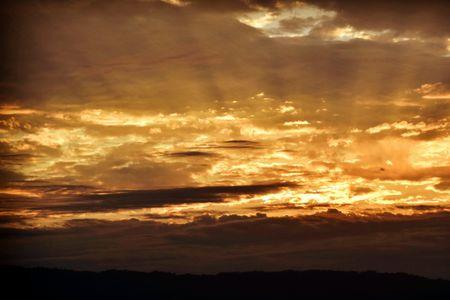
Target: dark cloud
(294,206)
(9,177)
(275,207)
(333,211)
(165,217)
(237,144)
(241,142)
(443,185)
(11,219)
(420,207)
(192,154)
(104,201)
(360,190)
(14,158)
(330,240)
(26,195)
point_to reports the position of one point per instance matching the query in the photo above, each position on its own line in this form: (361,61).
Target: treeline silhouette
(44,283)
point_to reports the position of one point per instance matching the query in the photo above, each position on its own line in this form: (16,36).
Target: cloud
(420,207)
(90,72)
(403,20)
(331,241)
(419,130)
(170,112)
(7,177)
(135,199)
(411,174)
(239,144)
(427,18)
(360,190)
(16,158)
(443,185)
(192,154)
(436,90)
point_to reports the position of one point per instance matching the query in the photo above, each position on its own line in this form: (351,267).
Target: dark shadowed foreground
(64,284)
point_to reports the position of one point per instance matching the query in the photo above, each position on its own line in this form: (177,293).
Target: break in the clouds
(244,124)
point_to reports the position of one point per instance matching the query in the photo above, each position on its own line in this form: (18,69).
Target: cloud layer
(244,124)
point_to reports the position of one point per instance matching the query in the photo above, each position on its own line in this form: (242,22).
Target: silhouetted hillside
(63,284)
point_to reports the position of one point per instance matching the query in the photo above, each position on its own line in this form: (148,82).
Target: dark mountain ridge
(45,283)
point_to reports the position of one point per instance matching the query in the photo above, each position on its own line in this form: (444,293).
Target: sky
(208,136)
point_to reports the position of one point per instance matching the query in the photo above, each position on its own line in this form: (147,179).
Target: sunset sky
(205,136)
